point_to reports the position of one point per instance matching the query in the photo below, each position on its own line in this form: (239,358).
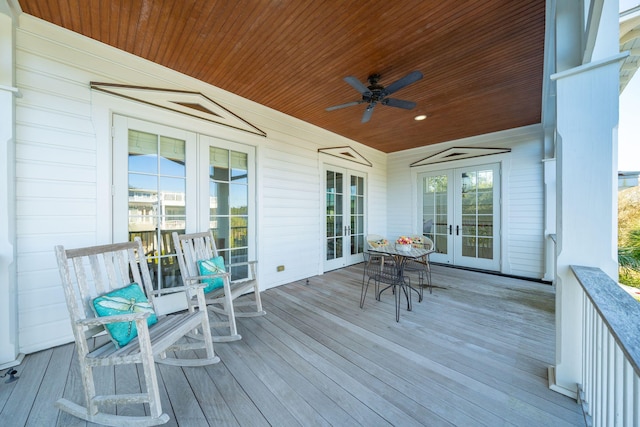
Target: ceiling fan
(376,93)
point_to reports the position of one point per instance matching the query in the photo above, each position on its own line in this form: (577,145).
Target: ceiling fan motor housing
(376,90)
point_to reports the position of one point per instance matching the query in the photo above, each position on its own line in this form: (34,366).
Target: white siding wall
(525,210)
(63,168)
(522,193)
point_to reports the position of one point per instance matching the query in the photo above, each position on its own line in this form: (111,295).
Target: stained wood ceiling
(482,60)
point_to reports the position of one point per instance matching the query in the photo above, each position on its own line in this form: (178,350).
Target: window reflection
(157,186)
(435,211)
(229,207)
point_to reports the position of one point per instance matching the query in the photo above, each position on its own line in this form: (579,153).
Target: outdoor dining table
(400,256)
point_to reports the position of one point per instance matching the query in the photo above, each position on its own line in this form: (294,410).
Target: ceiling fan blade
(405,81)
(367,113)
(357,84)
(348,104)
(400,103)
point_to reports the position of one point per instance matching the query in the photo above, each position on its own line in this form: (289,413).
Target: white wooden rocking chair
(103,272)
(195,247)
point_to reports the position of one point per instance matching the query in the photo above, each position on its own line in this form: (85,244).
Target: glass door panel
(436,209)
(344,212)
(334,215)
(356,228)
(229,207)
(477,223)
(156,202)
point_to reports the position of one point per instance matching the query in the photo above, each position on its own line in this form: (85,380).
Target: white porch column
(8,291)
(587,120)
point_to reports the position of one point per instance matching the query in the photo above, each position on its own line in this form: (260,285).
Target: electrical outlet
(280,268)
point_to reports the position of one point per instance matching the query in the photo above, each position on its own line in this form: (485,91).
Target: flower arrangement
(404,240)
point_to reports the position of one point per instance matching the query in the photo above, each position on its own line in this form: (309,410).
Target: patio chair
(375,240)
(372,267)
(383,270)
(196,249)
(109,293)
(421,265)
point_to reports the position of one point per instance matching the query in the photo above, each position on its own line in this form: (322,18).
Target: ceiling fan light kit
(375,93)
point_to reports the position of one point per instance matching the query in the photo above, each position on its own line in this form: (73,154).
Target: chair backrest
(372,264)
(423,241)
(192,248)
(373,240)
(87,273)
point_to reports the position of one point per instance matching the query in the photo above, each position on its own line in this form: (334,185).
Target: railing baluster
(597,372)
(610,396)
(618,383)
(632,407)
(610,383)
(589,354)
(636,400)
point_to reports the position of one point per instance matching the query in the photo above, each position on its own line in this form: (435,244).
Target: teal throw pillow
(207,267)
(129,299)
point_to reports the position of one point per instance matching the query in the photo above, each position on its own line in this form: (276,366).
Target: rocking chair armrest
(250,264)
(191,287)
(129,317)
(254,262)
(198,280)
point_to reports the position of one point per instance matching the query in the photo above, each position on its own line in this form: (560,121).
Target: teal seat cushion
(129,299)
(208,267)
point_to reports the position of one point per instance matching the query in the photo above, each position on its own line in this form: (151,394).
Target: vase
(403,248)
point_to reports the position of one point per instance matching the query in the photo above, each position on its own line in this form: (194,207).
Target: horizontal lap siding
(523,194)
(290,212)
(55,189)
(525,234)
(63,174)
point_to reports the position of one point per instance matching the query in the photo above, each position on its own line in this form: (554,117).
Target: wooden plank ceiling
(482,61)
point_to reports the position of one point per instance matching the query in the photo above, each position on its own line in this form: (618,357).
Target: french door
(167,179)
(344,204)
(460,212)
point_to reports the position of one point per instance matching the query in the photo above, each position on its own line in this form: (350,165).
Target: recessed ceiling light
(420,117)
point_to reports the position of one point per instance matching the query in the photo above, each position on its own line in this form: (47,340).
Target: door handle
(450,229)
(457,230)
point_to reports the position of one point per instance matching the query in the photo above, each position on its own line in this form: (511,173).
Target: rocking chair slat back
(194,247)
(88,273)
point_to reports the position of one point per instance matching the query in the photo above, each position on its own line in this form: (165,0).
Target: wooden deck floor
(475,352)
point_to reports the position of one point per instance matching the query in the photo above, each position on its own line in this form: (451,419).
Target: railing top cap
(619,310)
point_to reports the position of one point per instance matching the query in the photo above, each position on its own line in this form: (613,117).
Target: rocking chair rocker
(113,276)
(197,247)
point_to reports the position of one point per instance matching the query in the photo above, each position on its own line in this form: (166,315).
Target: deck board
(26,388)
(475,352)
(42,412)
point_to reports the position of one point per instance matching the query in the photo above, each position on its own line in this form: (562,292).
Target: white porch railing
(610,388)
